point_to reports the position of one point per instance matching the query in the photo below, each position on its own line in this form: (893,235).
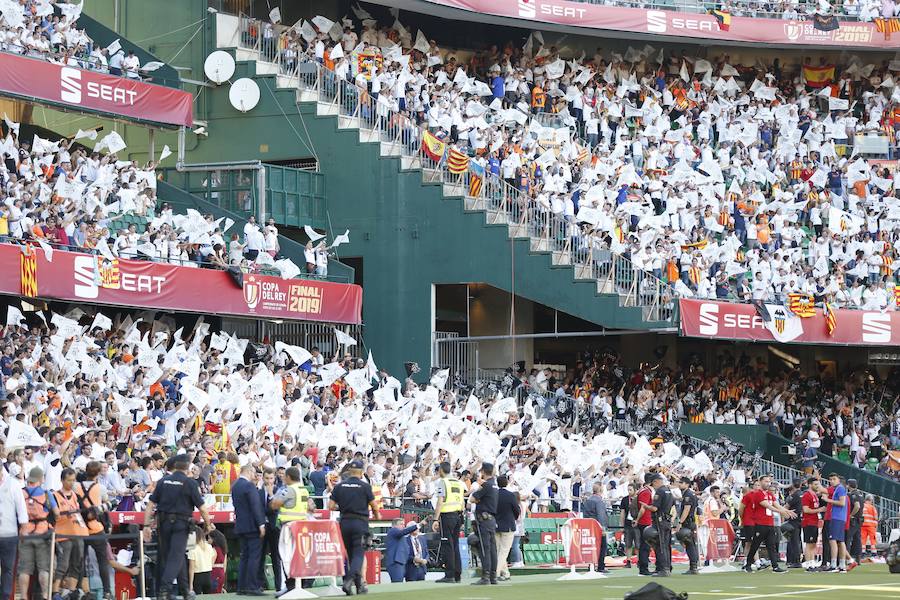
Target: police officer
(485,501)
(292,503)
(854,534)
(173,503)
(663,501)
(687,520)
(794,503)
(449,520)
(353,497)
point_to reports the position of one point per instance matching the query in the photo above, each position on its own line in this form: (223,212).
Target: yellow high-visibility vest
(300,509)
(453,498)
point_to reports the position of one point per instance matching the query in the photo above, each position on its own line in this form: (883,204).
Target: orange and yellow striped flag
(457,162)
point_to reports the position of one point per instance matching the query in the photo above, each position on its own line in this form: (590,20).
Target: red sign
(93,91)
(721,540)
(574,15)
(161,286)
(312,549)
(725,320)
(585,537)
(137,517)
(551,537)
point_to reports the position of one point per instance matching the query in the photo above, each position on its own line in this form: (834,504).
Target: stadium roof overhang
(654,25)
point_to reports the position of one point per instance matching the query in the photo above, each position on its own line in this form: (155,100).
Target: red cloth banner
(143,284)
(312,549)
(585,537)
(725,320)
(570,16)
(721,540)
(98,92)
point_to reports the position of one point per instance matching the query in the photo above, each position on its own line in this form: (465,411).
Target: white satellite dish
(219,66)
(244,94)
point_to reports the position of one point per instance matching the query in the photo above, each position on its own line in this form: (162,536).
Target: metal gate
(448,352)
(304,334)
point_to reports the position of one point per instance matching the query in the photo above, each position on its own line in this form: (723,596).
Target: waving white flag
(343,339)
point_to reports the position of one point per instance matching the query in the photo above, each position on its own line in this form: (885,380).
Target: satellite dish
(244,94)
(219,66)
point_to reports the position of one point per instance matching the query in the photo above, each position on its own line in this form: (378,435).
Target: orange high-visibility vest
(870,515)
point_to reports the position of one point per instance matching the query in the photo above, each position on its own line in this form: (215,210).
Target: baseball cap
(356,464)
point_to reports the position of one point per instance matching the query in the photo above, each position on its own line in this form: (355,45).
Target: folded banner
(92,91)
(582,539)
(571,16)
(725,320)
(123,282)
(312,549)
(721,540)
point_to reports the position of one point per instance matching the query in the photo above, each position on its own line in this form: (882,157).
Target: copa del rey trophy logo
(305,543)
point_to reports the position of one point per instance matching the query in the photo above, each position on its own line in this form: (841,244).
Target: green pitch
(867,582)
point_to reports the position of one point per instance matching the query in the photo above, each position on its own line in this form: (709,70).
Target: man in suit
(417,563)
(270,543)
(250,527)
(397,549)
(508,510)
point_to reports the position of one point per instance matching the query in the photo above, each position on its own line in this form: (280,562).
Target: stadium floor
(865,582)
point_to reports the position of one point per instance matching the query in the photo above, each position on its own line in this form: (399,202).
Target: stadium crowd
(33,28)
(724,181)
(111,400)
(795,10)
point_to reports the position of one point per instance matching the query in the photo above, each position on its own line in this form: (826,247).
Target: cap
(35,474)
(356,464)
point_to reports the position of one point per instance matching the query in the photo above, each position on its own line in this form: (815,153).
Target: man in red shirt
(644,520)
(747,514)
(812,516)
(765,504)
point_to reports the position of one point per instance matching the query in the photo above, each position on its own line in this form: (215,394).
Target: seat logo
(876,328)
(656,21)
(70,85)
(709,319)
(527,8)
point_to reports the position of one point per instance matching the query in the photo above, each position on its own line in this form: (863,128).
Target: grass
(867,582)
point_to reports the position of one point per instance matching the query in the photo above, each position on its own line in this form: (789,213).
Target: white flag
(421,44)
(14,316)
(114,47)
(153,65)
(101,321)
(166,152)
(298,355)
(21,435)
(439,379)
(47,248)
(113,142)
(275,15)
(343,339)
(784,325)
(323,24)
(13,126)
(312,234)
(90,134)
(344,238)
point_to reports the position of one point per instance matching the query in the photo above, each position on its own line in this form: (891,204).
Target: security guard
(854,534)
(173,501)
(662,520)
(293,504)
(686,527)
(353,497)
(794,551)
(449,518)
(485,501)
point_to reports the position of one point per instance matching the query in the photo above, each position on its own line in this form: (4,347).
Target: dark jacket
(508,510)
(248,507)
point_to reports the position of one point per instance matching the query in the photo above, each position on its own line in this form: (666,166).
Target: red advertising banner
(89,90)
(585,537)
(725,320)
(312,549)
(721,540)
(568,14)
(160,286)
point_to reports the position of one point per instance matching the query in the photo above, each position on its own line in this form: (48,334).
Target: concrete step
(540,245)
(583,273)
(562,257)
(323,109)
(474,203)
(368,136)
(518,230)
(345,122)
(305,95)
(454,190)
(410,163)
(495,217)
(391,149)
(286,81)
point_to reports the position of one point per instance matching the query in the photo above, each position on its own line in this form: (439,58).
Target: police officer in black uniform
(485,501)
(353,497)
(855,510)
(663,501)
(173,502)
(794,502)
(687,524)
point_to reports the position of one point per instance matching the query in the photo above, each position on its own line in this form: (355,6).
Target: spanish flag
(830,318)
(802,305)
(433,147)
(695,245)
(723,17)
(818,77)
(457,162)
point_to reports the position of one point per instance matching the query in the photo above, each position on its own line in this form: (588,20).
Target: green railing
(293,197)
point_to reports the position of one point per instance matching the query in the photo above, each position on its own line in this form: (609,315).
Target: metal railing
(738,8)
(562,235)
